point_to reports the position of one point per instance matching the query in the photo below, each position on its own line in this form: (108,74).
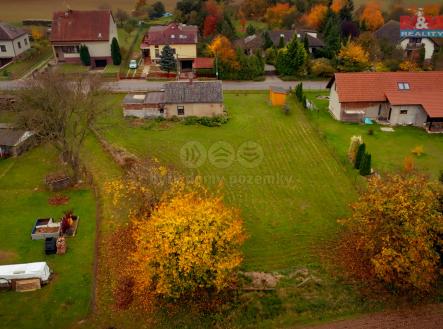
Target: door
(100,62)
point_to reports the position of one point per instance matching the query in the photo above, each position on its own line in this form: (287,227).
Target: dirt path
(423,317)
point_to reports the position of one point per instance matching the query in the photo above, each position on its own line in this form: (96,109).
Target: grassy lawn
(388,149)
(290,218)
(66,299)
(68,68)
(19,68)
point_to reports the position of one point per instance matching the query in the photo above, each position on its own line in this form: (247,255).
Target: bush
(215,121)
(322,67)
(353,148)
(365,166)
(360,154)
(371,131)
(418,150)
(271,55)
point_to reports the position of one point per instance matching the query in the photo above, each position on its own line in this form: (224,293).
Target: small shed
(14,142)
(277,96)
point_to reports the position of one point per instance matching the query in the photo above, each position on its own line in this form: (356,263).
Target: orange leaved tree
(274,15)
(190,243)
(372,16)
(222,48)
(397,229)
(353,58)
(316,16)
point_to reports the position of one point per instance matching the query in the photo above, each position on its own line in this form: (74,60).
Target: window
(157,52)
(70,49)
(403,111)
(19,45)
(180,110)
(26,41)
(3,48)
(403,86)
(162,111)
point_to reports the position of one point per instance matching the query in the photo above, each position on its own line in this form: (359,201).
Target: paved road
(141,85)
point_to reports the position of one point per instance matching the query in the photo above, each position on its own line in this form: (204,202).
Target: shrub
(353,148)
(408,164)
(418,150)
(359,157)
(394,233)
(85,57)
(215,121)
(365,166)
(322,67)
(286,109)
(371,131)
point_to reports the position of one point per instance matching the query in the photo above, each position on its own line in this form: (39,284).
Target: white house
(94,29)
(396,98)
(13,42)
(390,32)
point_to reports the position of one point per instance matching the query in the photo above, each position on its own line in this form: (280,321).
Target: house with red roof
(181,38)
(13,42)
(93,28)
(396,98)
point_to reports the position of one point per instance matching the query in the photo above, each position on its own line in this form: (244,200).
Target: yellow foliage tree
(409,66)
(372,16)
(37,33)
(316,16)
(222,48)
(191,242)
(397,225)
(353,58)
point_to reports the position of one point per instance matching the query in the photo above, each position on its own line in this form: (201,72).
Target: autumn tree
(353,58)
(316,16)
(275,15)
(432,9)
(214,15)
(254,9)
(222,49)
(395,231)
(372,17)
(61,110)
(370,44)
(191,242)
(337,5)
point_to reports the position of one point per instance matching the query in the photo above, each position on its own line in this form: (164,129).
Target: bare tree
(121,16)
(60,110)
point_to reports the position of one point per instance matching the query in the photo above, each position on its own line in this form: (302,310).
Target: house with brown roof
(179,98)
(13,42)
(390,32)
(181,38)
(396,98)
(73,28)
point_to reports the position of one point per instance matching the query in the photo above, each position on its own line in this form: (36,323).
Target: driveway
(132,85)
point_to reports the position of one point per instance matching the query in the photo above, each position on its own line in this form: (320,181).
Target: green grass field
(66,299)
(388,149)
(19,68)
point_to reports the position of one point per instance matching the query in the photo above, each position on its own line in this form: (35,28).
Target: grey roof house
(14,142)
(13,42)
(253,42)
(182,98)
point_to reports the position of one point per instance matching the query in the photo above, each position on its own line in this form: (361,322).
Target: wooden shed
(277,96)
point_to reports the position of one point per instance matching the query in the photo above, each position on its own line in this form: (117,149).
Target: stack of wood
(61,246)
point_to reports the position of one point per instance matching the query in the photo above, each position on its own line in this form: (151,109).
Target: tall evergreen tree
(85,57)
(365,166)
(292,59)
(347,11)
(115,52)
(267,42)
(306,43)
(281,42)
(331,33)
(360,154)
(167,59)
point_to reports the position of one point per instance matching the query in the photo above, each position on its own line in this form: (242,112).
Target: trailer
(9,274)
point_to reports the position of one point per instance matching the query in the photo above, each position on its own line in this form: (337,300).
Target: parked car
(133,64)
